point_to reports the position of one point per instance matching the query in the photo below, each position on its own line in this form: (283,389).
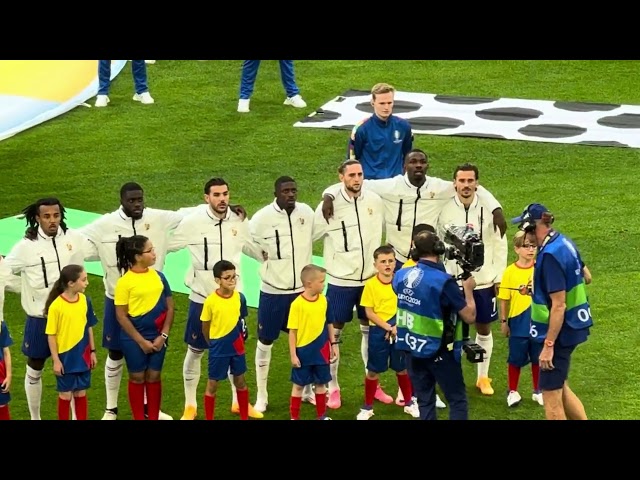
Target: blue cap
(533,211)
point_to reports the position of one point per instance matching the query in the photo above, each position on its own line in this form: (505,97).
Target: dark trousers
(446,372)
(250,72)
(138,67)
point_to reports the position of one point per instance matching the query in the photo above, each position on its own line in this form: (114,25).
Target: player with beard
(132,218)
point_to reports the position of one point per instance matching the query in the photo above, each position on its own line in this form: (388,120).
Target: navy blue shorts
(382,354)
(486,309)
(74,382)
(311,374)
(5,398)
(111,328)
(273,314)
(137,361)
(35,344)
(341,301)
(554,379)
(193,335)
(219,367)
(523,350)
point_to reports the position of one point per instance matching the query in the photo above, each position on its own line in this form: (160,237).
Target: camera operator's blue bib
(577,315)
(420,317)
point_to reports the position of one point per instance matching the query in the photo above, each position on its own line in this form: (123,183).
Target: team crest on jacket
(301,221)
(396,136)
(432,194)
(147,226)
(370,210)
(69,247)
(234,232)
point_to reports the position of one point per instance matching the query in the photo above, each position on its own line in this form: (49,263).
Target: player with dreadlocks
(47,247)
(144,309)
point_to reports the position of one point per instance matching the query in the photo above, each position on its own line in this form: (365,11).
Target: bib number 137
(415,344)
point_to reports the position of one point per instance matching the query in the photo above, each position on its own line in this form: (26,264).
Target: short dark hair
(222,266)
(130,187)
(383,250)
(422,227)
(281,180)
(415,150)
(427,244)
(467,167)
(310,271)
(214,182)
(349,161)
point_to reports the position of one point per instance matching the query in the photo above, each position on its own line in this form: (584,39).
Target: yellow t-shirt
(519,317)
(380,297)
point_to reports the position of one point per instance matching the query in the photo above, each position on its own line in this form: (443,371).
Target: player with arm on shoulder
(225,331)
(210,232)
(70,322)
(144,308)
(312,344)
(514,296)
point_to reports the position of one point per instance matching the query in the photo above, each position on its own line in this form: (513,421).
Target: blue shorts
(193,335)
(382,354)
(273,314)
(5,398)
(219,367)
(486,309)
(35,344)
(341,301)
(74,382)
(523,350)
(554,379)
(137,361)
(111,327)
(311,374)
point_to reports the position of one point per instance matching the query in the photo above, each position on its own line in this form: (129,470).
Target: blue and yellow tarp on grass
(34,91)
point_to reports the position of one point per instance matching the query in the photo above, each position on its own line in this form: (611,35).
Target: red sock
(370,387)
(209,406)
(404,382)
(321,404)
(243,403)
(154,397)
(64,408)
(81,407)
(294,407)
(136,400)
(535,373)
(514,377)
(4,413)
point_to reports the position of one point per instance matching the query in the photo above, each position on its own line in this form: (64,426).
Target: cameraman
(467,208)
(429,304)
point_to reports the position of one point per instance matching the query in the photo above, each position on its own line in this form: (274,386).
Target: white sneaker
(109,415)
(513,398)
(101,101)
(413,410)
(164,416)
(295,101)
(439,402)
(243,105)
(364,414)
(144,98)
(537,397)
(149,62)
(261,405)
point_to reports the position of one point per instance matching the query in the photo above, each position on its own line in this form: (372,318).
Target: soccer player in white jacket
(350,238)
(48,247)
(468,208)
(132,218)
(210,232)
(284,232)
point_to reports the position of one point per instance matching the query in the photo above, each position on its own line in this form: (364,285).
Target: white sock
(234,393)
(33,388)
(73,408)
(112,378)
(191,368)
(364,345)
(333,383)
(307,391)
(486,342)
(263,360)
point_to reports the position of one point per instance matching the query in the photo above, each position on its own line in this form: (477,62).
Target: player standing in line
(48,247)
(312,344)
(70,322)
(467,208)
(131,218)
(349,238)
(225,331)
(210,232)
(284,231)
(144,309)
